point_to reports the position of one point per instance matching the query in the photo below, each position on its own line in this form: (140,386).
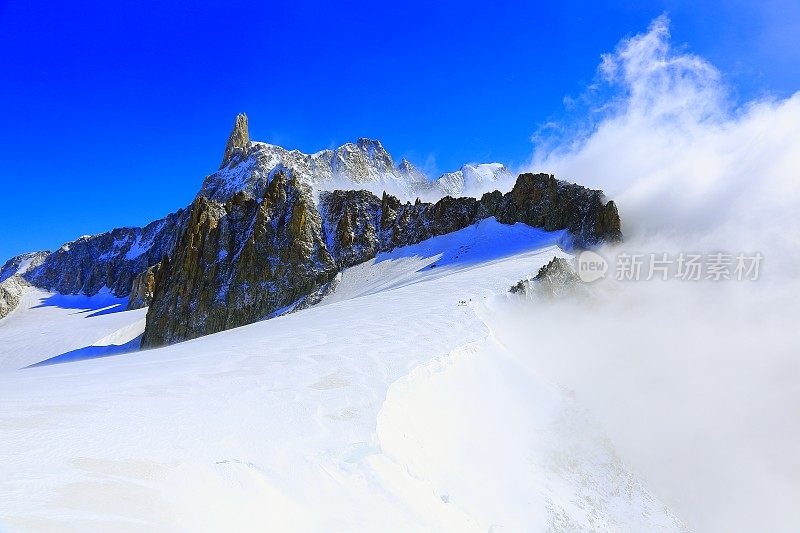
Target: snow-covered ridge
(21,264)
(364,164)
(111,259)
(473,179)
(12,284)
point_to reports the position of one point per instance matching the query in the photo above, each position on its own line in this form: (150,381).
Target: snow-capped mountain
(109,260)
(21,264)
(364,162)
(248,166)
(249,258)
(271,228)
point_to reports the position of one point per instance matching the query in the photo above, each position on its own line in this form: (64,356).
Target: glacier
(314,421)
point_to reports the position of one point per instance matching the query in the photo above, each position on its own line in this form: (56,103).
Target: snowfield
(48,325)
(390,406)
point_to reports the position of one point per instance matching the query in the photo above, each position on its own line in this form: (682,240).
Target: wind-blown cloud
(696,383)
(678,157)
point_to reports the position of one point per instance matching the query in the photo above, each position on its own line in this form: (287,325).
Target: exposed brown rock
(554,279)
(11,290)
(239,262)
(541,201)
(358,225)
(142,288)
(238,145)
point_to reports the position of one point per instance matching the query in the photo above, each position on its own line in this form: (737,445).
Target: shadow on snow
(91,352)
(485,241)
(97,305)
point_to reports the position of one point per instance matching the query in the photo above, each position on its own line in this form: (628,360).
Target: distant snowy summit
(473,179)
(20,264)
(249,166)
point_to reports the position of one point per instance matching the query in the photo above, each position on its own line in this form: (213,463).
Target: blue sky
(111,115)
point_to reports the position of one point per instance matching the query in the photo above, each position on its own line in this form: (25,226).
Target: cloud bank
(696,383)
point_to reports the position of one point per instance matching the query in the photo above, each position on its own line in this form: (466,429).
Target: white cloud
(677,157)
(696,383)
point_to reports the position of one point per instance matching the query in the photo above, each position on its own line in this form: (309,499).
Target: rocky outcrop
(542,201)
(12,284)
(351,222)
(142,288)
(11,290)
(358,224)
(238,146)
(238,262)
(111,260)
(554,279)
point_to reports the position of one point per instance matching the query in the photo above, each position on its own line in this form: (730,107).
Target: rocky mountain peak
(236,262)
(248,166)
(238,145)
(370,145)
(22,263)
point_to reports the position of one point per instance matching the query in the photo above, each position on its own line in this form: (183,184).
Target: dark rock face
(541,201)
(554,279)
(238,144)
(358,225)
(239,262)
(111,259)
(351,222)
(247,259)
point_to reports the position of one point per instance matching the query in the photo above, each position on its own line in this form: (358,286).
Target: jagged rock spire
(238,141)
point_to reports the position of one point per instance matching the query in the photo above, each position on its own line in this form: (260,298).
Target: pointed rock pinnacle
(238,141)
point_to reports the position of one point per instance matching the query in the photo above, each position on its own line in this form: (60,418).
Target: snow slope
(47,325)
(387,407)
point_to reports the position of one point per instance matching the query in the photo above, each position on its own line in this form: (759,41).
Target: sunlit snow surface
(388,407)
(49,327)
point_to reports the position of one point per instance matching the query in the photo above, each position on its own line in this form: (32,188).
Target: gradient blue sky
(112,114)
